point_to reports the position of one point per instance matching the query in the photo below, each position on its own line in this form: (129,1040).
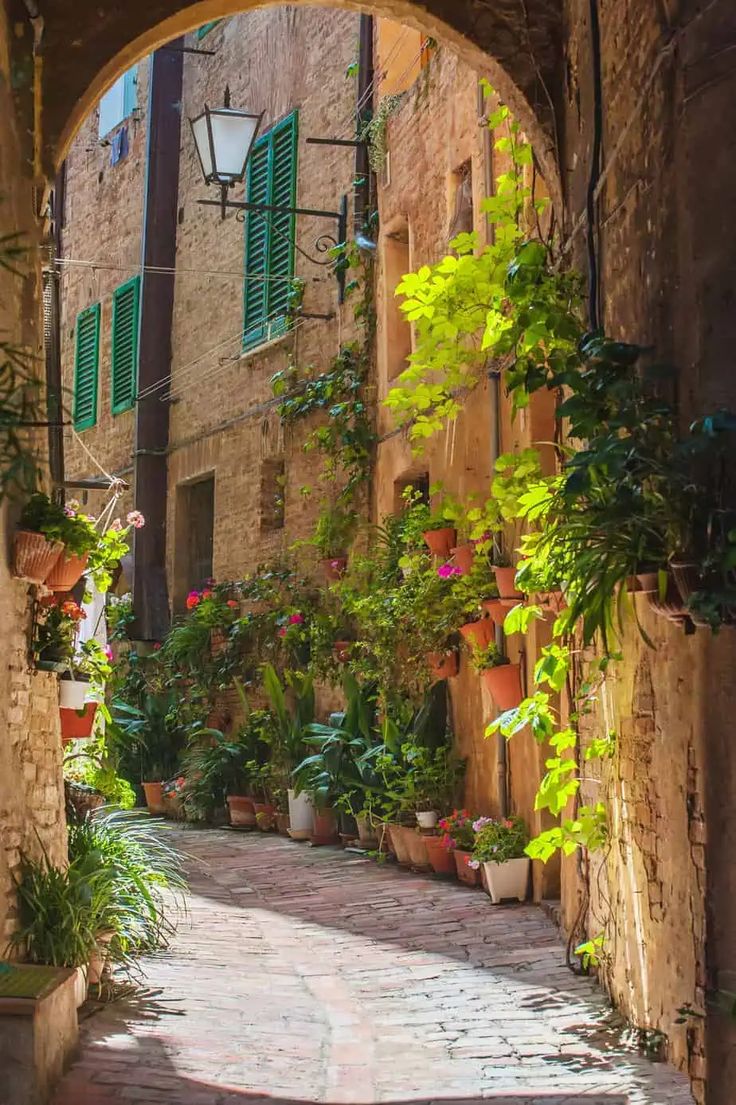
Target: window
(269,237)
(207,27)
(119,101)
(194,533)
(396,331)
(273,483)
(86,365)
(125,315)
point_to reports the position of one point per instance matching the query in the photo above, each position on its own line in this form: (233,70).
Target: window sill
(264,347)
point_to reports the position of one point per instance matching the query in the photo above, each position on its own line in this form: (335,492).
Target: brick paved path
(309,975)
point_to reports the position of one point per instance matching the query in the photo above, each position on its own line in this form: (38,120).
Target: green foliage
(374,131)
(591,951)
(293,715)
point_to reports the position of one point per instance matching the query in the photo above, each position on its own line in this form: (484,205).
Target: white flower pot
(427,819)
(72,694)
(301,816)
(80,985)
(507,880)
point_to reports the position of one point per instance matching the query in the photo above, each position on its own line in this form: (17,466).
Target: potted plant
(459,838)
(332,537)
(439,537)
(500,850)
(39,541)
(442,665)
(54,633)
(291,718)
(81,688)
(152,738)
(501,677)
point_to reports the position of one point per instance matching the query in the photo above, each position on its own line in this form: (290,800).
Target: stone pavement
(311,975)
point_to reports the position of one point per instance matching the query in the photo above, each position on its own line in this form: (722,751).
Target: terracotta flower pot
(366,832)
(399,843)
(99,959)
(66,572)
(507,880)
(507,590)
(496,610)
(463,556)
(440,542)
(686,577)
(466,874)
(442,665)
(551,601)
(441,859)
(324,827)
(643,583)
(481,633)
(341,651)
(504,683)
(265,816)
(242,810)
(671,606)
(334,567)
(218,642)
(282,823)
(34,556)
(418,855)
(77,724)
(154,797)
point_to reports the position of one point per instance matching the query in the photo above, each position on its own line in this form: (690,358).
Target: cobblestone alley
(308,975)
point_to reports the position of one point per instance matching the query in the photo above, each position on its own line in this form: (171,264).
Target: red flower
(157,646)
(233,604)
(296,619)
(206,594)
(192,599)
(283,631)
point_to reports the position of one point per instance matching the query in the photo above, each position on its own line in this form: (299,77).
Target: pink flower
(474,864)
(206,594)
(135,519)
(445,571)
(283,631)
(108,653)
(336,564)
(157,646)
(296,619)
(116,526)
(192,599)
(481,823)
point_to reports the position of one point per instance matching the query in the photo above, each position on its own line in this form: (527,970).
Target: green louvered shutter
(86,363)
(269,246)
(124,372)
(256,245)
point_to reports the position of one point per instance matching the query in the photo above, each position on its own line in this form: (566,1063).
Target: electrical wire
(349,120)
(166,271)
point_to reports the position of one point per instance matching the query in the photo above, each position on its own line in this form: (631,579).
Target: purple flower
(445,571)
(481,823)
(474,863)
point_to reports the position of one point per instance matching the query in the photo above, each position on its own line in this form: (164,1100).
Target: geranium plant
(457,831)
(497,841)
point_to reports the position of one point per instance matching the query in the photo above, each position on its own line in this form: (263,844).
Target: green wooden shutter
(269,248)
(206,28)
(124,372)
(86,364)
(256,245)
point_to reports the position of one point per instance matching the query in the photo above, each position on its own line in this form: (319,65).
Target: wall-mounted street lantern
(224,139)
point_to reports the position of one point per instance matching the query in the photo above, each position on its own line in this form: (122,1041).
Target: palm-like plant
(293,707)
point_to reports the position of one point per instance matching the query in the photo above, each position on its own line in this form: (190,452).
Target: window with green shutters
(86,367)
(269,236)
(206,28)
(125,314)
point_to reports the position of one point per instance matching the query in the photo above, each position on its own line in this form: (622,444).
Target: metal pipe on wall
(495,443)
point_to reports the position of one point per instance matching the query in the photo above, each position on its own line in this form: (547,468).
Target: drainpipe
(494,391)
(364,111)
(150,593)
(52,327)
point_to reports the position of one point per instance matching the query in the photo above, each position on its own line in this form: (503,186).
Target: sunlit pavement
(311,975)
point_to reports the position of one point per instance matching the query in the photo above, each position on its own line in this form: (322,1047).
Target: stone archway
(86,44)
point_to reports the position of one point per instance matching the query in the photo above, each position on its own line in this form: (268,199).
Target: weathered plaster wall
(31,792)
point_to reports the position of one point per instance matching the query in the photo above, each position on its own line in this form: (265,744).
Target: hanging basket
(481,633)
(72,694)
(66,572)
(440,542)
(507,590)
(496,610)
(341,651)
(77,724)
(504,683)
(463,556)
(34,556)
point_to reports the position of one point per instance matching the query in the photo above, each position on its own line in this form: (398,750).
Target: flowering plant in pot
(332,537)
(458,837)
(43,532)
(111,546)
(502,678)
(500,849)
(54,633)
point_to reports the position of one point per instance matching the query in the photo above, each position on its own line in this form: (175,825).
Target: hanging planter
(440,858)
(53,659)
(154,797)
(479,634)
(463,556)
(77,724)
(504,683)
(508,593)
(442,665)
(440,542)
(335,567)
(242,811)
(496,610)
(67,571)
(34,556)
(466,874)
(72,694)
